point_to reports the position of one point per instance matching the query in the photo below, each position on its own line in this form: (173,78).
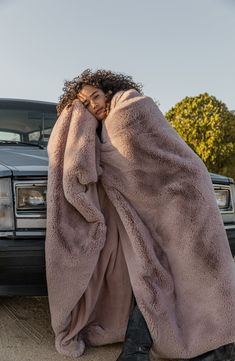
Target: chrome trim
(30,233)
(6,234)
(31,223)
(26,214)
(229,227)
(225,187)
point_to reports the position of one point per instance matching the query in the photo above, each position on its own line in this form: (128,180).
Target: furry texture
(135,212)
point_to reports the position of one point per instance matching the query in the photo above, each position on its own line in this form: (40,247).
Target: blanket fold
(81,272)
(135,213)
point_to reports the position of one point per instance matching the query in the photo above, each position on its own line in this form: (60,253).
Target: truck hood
(23,161)
(220,179)
(32,161)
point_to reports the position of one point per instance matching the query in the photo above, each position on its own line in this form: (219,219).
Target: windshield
(27,126)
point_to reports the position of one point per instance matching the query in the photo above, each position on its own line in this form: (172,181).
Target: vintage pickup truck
(25,128)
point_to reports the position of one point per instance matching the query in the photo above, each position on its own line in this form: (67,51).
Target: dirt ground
(26,334)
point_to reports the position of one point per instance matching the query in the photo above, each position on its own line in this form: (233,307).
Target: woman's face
(94,100)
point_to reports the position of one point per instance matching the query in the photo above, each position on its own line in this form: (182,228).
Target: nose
(93,104)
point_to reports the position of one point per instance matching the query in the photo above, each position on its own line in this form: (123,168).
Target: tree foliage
(208,127)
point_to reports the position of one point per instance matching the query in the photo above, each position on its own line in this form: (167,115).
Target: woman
(96,92)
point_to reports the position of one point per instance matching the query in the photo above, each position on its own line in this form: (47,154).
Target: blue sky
(176,48)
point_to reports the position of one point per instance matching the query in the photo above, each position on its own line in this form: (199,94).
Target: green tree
(208,127)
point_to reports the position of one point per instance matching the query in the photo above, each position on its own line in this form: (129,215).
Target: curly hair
(105,80)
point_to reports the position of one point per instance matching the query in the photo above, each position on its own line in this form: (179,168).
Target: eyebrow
(93,93)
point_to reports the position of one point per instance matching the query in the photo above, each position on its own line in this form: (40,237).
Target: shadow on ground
(26,334)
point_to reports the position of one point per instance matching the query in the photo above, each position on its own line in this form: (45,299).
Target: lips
(99,111)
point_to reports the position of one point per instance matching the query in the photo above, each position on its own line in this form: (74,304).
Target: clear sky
(175,48)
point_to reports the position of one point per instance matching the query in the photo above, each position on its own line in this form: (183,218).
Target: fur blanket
(135,213)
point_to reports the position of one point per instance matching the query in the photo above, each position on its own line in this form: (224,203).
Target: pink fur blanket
(135,213)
